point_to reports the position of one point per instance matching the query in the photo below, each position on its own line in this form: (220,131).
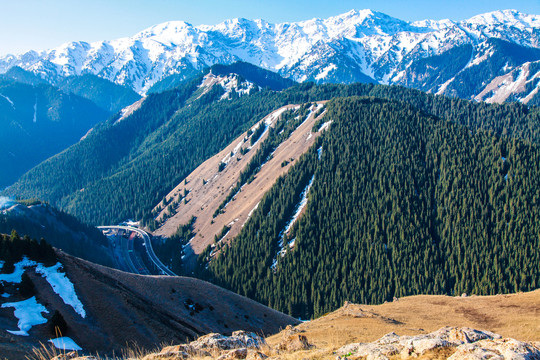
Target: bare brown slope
(123,308)
(449,321)
(205,197)
(514,315)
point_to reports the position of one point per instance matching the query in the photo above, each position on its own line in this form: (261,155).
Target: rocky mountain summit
(458,58)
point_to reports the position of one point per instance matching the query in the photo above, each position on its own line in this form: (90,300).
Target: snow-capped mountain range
(460,58)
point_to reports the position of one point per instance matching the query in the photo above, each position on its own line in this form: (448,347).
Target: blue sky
(43,24)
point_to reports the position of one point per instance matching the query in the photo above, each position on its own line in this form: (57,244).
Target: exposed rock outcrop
(460,342)
(293,343)
(213,345)
(497,349)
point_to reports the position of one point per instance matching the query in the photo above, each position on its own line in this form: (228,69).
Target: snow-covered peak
(350,47)
(239,29)
(506,18)
(360,23)
(171,31)
(434,24)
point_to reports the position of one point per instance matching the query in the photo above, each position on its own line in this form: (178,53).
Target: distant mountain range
(492,57)
(39,120)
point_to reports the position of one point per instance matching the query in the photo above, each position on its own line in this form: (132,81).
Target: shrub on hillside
(26,287)
(57,324)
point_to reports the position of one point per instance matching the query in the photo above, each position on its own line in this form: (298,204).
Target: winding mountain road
(147,244)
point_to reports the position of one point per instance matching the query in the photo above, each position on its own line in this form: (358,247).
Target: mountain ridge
(360,45)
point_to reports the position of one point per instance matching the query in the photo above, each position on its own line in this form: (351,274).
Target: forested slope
(123,169)
(37,122)
(63,231)
(401,202)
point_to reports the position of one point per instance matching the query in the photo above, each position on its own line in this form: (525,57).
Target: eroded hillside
(218,200)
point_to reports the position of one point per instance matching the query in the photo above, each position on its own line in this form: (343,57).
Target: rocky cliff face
(456,58)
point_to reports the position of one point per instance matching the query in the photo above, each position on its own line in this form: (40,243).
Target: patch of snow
(230,83)
(234,196)
(512,83)
(251,213)
(313,110)
(480,59)
(9,100)
(35,111)
(224,235)
(29,314)
(131,223)
(6,295)
(324,73)
(130,109)
(270,119)
(443,87)
(228,157)
(300,206)
(65,343)
(16,276)
(319,153)
(62,286)
(325,125)
(86,135)
(261,136)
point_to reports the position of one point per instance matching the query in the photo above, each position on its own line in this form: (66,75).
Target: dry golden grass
(513,315)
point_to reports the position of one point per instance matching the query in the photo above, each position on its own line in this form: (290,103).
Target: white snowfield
(62,286)
(16,275)
(29,311)
(377,45)
(65,343)
(29,314)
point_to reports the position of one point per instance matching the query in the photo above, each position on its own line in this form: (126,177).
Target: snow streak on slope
(130,109)
(62,286)
(298,210)
(343,48)
(9,100)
